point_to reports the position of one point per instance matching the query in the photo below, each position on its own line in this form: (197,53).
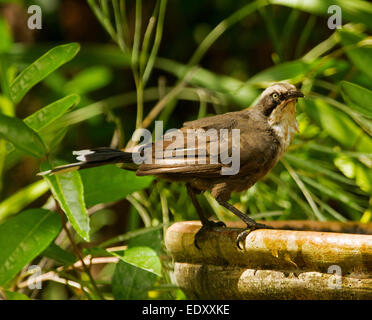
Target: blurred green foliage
(99,69)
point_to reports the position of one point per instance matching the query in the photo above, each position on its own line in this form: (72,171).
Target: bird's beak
(295,94)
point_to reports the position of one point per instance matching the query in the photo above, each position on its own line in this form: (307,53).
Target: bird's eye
(275,95)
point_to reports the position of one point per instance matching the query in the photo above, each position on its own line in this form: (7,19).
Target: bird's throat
(283,123)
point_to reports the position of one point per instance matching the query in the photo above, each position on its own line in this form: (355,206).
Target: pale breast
(285,128)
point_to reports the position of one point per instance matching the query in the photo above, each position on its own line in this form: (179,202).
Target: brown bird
(222,153)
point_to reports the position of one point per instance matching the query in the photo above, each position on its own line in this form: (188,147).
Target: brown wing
(180,153)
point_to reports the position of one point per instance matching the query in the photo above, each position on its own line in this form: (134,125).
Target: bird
(255,137)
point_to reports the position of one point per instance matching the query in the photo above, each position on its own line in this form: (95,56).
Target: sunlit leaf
(41,68)
(360,98)
(361,56)
(144,258)
(51,112)
(338,194)
(363,178)
(338,125)
(68,190)
(22,198)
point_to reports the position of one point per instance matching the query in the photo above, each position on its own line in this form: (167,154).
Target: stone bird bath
(296,260)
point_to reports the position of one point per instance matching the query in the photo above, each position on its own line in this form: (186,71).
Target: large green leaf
(356,10)
(51,112)
(338,125)
(360,98)
(68,190)
(41,68)
(142,257)
(21,136)
(110,183)
(131,283)
(238,92)
(361,56)
(23,237)
(285,71)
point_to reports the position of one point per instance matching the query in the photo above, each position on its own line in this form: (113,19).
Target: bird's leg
(251,224)
(206,224)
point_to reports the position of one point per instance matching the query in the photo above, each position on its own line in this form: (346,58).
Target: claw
(242,235)
(210,225)
(241,238)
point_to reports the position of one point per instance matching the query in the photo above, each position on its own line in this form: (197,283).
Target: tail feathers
(91,158)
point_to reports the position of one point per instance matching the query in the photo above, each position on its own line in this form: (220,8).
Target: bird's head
(278,100)
(278,106)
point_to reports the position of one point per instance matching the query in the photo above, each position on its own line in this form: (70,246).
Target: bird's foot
(250,227)
(207,226)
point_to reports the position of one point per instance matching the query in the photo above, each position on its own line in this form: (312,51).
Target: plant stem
(139,88)
(77,251)
(137,34)
(119,26)
(145,45)
(104,20)
(157,41)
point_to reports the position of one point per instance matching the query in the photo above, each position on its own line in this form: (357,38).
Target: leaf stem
(77,251)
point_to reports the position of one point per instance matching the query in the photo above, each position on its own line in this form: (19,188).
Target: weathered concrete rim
(277,249)
(217,282)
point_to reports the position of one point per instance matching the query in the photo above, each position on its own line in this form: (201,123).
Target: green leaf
(360,98)
(313,166)
(238,92)
(110,183)
(338,125)
(68,190)
(335,193)
(142,257)
(12,295)
(285,71)
(58,254)
(5,36)
(51,112)
(90,79)
(363,178)
(41,68)
(22,198)
(361,56)
(131,283)
(152,239)
(24,237)
(356,10)
(21,136)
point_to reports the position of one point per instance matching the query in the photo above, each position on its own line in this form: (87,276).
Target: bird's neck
(285,126)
